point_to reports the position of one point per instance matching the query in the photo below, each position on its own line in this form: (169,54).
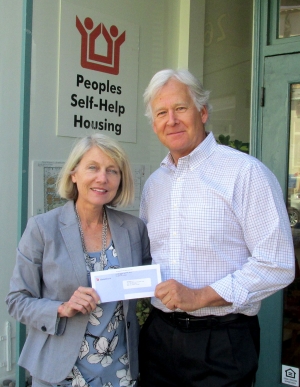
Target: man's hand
(84,300)
(175,295)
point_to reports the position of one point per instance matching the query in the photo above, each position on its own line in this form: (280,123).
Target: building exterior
(246,52)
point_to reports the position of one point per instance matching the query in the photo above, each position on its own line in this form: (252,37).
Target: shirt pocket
(206,224)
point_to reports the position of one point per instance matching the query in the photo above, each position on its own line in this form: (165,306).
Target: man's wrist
(208,297)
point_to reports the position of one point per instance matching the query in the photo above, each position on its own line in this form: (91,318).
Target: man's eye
(160,114)
(181,109)
(92,167)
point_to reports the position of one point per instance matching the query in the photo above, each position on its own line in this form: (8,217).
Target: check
(126,283)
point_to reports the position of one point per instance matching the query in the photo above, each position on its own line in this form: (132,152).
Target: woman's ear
(73,177)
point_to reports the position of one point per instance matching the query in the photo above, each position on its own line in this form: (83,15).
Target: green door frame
(267,44)
(24,155)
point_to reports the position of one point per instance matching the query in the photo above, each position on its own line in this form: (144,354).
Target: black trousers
(196,355)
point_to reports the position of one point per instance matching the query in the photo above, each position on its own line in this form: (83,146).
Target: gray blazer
(49,268)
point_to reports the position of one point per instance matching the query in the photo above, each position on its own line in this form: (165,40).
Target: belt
(185,320)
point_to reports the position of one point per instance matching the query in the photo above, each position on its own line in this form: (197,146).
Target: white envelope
(126,283)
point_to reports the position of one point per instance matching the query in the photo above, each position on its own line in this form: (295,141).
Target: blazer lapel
(71,236)
(70,233)
(120,237)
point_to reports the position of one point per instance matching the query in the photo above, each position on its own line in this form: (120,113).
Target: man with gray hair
(219,229)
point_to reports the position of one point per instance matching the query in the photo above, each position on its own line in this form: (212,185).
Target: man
(219,229)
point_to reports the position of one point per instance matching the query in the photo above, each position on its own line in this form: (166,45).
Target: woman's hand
(83,300)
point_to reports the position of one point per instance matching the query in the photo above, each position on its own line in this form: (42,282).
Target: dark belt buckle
(187,322)
(213,322)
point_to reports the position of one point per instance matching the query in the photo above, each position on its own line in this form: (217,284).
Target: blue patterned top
(102,360)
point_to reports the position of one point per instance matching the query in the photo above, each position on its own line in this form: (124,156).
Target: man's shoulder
(243,165)
(158,175)
(236,157)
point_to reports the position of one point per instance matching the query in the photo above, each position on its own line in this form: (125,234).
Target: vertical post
(24,154)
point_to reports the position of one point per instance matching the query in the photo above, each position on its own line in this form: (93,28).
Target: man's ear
(204,114)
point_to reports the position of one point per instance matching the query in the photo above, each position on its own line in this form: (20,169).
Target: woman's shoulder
(55,211)
(121,216)
(53,215)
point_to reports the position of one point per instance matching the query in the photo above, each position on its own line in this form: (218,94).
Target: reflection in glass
(289,18)
(227,68)
(291,310)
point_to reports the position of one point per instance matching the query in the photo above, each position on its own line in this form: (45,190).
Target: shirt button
(174,233)
(44,329)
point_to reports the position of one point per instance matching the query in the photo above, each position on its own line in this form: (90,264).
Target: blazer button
(44,329)
(128,324)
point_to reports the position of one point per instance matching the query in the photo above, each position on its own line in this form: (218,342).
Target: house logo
(289,373)
(89,59)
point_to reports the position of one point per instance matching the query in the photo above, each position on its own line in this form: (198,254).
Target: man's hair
(68,190)
(197,92)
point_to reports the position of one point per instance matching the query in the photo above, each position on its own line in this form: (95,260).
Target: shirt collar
(196,157)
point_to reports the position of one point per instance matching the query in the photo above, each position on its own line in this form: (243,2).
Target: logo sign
(98,74)
(109,63)
(290,375)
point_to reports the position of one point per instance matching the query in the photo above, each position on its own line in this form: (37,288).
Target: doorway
(280,151)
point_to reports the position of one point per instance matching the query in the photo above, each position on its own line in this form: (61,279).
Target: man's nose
(172,120)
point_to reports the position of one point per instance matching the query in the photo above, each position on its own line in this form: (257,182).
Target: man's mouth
(174,133)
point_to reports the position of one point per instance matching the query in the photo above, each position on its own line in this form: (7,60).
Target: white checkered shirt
(219,219)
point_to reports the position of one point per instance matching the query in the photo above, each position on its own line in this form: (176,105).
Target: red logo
(109,63)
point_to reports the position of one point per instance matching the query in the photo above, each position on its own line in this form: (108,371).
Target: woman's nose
(102,176)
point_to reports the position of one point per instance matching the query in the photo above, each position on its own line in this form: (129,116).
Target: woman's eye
(92,167)
(112,171)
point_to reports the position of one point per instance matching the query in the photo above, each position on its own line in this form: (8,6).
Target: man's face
(176,120)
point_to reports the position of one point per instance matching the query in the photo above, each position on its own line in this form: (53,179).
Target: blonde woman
(73,339)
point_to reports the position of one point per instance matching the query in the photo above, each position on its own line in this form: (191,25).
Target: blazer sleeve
(146,256)
(25,299)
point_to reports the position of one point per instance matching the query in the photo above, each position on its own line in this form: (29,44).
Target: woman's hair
(68,190)
(198,94)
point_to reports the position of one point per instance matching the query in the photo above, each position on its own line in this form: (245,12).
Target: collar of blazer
(70,232)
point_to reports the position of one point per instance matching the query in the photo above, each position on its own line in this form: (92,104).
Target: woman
(72,337)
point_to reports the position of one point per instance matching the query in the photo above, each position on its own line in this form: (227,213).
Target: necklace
(88,259)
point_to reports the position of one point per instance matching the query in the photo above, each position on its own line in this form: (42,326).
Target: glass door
(289,18)
(291,308)
(280,149)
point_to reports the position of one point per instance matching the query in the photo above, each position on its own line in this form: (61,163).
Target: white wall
(10,73)
(151,17)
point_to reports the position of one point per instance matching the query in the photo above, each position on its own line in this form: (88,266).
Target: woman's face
(97,177)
